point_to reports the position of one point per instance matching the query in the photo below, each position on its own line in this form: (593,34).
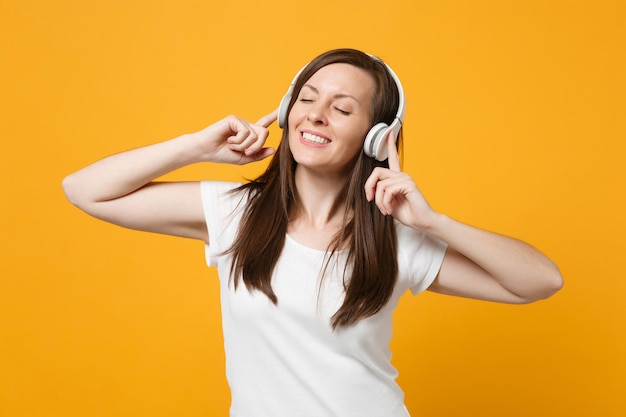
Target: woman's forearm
(123,173)
(516,266)
(121,189)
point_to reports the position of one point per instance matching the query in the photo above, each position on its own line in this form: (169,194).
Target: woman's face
(330,118)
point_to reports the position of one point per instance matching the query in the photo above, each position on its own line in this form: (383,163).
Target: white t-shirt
(285,360)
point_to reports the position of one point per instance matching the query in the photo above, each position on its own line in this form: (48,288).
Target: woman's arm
(488,266)
(479,264)
(121,188)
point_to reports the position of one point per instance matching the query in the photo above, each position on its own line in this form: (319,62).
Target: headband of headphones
(375,144)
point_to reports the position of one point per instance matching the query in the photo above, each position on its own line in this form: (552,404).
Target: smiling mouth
(311,138)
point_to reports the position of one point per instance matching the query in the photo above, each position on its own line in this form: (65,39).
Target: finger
(371,183)
(255,142)
(268,119)
(263,153)
(393,158)
(244,138)
(379,198)
(375,188)
(391,191)
(239,129)
(246,133)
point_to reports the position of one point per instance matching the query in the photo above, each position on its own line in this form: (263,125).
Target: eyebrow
(339,95)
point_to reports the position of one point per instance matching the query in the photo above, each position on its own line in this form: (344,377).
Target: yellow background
(515,123)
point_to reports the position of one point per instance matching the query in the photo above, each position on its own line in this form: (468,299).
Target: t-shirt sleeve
(419,258)
(220,209)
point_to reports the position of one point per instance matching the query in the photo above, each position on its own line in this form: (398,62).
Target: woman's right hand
(234,140)
(122,188)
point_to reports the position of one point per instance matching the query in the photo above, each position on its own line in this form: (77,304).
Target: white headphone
(375,144)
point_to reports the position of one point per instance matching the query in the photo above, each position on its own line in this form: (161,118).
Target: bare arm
(479,264)
(122,190)
(487,266)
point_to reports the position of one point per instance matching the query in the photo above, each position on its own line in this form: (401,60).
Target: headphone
(375,144)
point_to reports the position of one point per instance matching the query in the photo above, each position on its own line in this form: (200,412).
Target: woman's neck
(319,210)
(318,197)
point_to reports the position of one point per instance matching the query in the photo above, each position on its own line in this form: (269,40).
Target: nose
(317,114)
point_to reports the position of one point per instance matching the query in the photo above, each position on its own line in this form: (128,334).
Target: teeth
(314,138)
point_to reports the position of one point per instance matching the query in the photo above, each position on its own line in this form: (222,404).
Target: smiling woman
(329,120)
(325,241)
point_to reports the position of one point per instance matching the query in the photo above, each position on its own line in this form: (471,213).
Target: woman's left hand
(395,193)
(478,264)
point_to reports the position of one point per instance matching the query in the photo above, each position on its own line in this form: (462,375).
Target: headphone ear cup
(282,109)
(373,141)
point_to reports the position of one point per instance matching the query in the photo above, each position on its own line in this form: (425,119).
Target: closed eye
(344,112)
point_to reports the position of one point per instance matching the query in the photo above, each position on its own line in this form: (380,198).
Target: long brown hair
(369,236)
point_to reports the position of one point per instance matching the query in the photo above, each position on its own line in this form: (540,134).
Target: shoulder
(419,257)
(220,192)
(216,188)
(411,241)
(221,199)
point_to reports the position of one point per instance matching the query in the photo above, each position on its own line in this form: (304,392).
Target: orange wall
(515,123)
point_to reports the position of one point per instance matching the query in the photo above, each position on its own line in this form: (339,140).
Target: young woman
(314,254)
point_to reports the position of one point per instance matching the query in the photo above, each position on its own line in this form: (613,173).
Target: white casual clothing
(285,360)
